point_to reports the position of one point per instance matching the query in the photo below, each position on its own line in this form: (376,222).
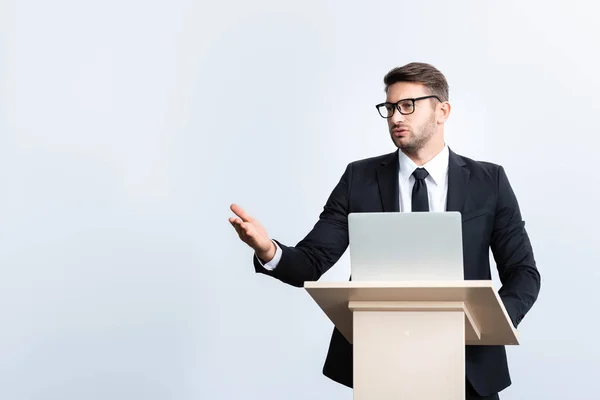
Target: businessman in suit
(422,175)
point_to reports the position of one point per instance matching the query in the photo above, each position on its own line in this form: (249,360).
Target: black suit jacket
(490,219)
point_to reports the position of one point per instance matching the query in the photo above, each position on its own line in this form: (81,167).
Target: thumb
(239,211)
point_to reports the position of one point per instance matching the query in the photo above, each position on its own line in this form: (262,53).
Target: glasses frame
(397,105)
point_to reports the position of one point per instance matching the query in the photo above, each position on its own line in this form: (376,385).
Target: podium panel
(483,305)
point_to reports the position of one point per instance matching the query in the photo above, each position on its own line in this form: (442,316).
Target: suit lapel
(387,179)
(458,179)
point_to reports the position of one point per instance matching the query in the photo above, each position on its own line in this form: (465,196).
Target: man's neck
(427,153)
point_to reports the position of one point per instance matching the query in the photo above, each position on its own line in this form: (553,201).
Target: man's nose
(397,118)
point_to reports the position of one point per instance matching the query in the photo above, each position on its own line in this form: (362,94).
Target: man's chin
(402,142)
(406,147)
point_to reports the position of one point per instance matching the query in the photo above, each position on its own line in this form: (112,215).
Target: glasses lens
(386,110)
(406,107)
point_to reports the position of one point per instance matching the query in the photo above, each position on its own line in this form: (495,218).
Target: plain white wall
(128,127)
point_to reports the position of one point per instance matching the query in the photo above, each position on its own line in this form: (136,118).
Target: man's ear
(444,112)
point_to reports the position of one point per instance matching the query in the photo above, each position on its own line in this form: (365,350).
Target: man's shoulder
(480,168)
(487,165)
(374,161)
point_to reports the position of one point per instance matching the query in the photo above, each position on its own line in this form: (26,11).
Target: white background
(127,128)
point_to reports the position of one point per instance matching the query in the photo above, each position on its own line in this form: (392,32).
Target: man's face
(411,132)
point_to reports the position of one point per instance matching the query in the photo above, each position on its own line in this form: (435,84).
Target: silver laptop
(400,246)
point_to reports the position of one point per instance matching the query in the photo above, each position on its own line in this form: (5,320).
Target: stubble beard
(420,138)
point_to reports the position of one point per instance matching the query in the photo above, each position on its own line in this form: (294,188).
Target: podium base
(408,351)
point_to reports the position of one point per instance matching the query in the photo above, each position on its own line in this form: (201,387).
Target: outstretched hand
(251,232)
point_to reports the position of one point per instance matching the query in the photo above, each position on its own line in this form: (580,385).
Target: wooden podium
(409,337)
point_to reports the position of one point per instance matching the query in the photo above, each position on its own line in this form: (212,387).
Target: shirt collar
(437,166)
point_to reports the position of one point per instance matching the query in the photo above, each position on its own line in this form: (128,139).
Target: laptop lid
(399,246)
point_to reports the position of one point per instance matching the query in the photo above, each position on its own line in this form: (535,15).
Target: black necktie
(420,200)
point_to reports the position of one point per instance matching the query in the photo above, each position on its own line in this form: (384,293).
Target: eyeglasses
(404,106)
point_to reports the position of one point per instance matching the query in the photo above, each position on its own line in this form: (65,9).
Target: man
(423,175)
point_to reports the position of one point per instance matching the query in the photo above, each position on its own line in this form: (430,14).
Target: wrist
(269,254)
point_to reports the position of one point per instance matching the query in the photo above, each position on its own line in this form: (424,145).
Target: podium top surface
(479,297)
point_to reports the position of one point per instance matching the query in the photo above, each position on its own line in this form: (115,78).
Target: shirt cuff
(271,265)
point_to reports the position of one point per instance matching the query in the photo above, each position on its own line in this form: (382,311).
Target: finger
(247,228)
(239,211)
(237,228)
(237,225)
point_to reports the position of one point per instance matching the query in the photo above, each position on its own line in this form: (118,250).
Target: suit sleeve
(323,245)
(513,253)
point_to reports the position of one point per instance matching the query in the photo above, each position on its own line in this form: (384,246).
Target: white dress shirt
(437,180)
(437,189)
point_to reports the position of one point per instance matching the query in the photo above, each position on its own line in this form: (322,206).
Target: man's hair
(423,73)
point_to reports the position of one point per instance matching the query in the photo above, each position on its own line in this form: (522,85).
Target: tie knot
(420,173)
